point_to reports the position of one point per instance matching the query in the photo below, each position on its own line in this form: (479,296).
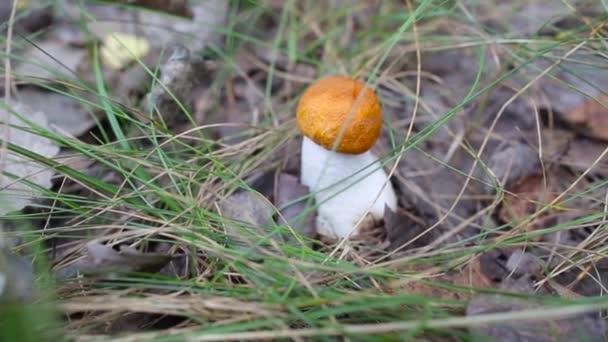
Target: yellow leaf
(119,49)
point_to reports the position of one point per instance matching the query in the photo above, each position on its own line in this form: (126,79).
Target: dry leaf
(591,118)
(15,192)
(526,197)
(159,29)
(28,18)
(518,273)
(177,7)
(63,113)
(52,58)
(510,163)
(432,189)
(103,259)
(16,278)
(579,327)
(401,227)
(290,189)
(118,50)
(471,275)
(249,217)
(567,92)
(521,263)
(180,78)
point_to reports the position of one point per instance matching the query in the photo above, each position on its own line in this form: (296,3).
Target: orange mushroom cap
(334,101)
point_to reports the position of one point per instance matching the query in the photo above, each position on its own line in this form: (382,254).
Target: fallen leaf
(180,77)
(511,163)
(493,264)
(432,189)
(528,18)
(520,263)
(159,29)
(567,90)
(471,275)
(579,327)
(402,226)
(590,118)
(15,192)
(50,59)
(589,280)
(63,113)
(262,181)
(527,196)
(177,7)
(120,49)
(16,278)
(29,18)
(430,291)
(249,217)
(288,190)
(102,259)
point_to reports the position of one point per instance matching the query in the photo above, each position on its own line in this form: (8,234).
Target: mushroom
(341,119)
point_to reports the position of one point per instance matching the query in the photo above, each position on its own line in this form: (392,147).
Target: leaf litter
(452,195)
(23,180)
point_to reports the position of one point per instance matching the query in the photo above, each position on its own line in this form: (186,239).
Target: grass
(160,186)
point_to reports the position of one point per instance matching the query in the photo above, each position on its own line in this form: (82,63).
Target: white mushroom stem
(346,187)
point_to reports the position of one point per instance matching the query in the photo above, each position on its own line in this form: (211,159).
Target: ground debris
(180,77)
(511,163)
(161,30)
(590,118)
(249,219)
(289,190)
(101,260)
(36,17)
(16,278)
(405,231)
(64,114)
(519,274)
(579,154)
(16,122)
(177,7)
(581,327)
(49,58)
(525,198)
(471,277)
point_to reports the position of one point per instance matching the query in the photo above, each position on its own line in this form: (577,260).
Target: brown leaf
(526,197)
(473,276)
(591,118)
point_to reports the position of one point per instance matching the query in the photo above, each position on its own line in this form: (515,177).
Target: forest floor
(151,171)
